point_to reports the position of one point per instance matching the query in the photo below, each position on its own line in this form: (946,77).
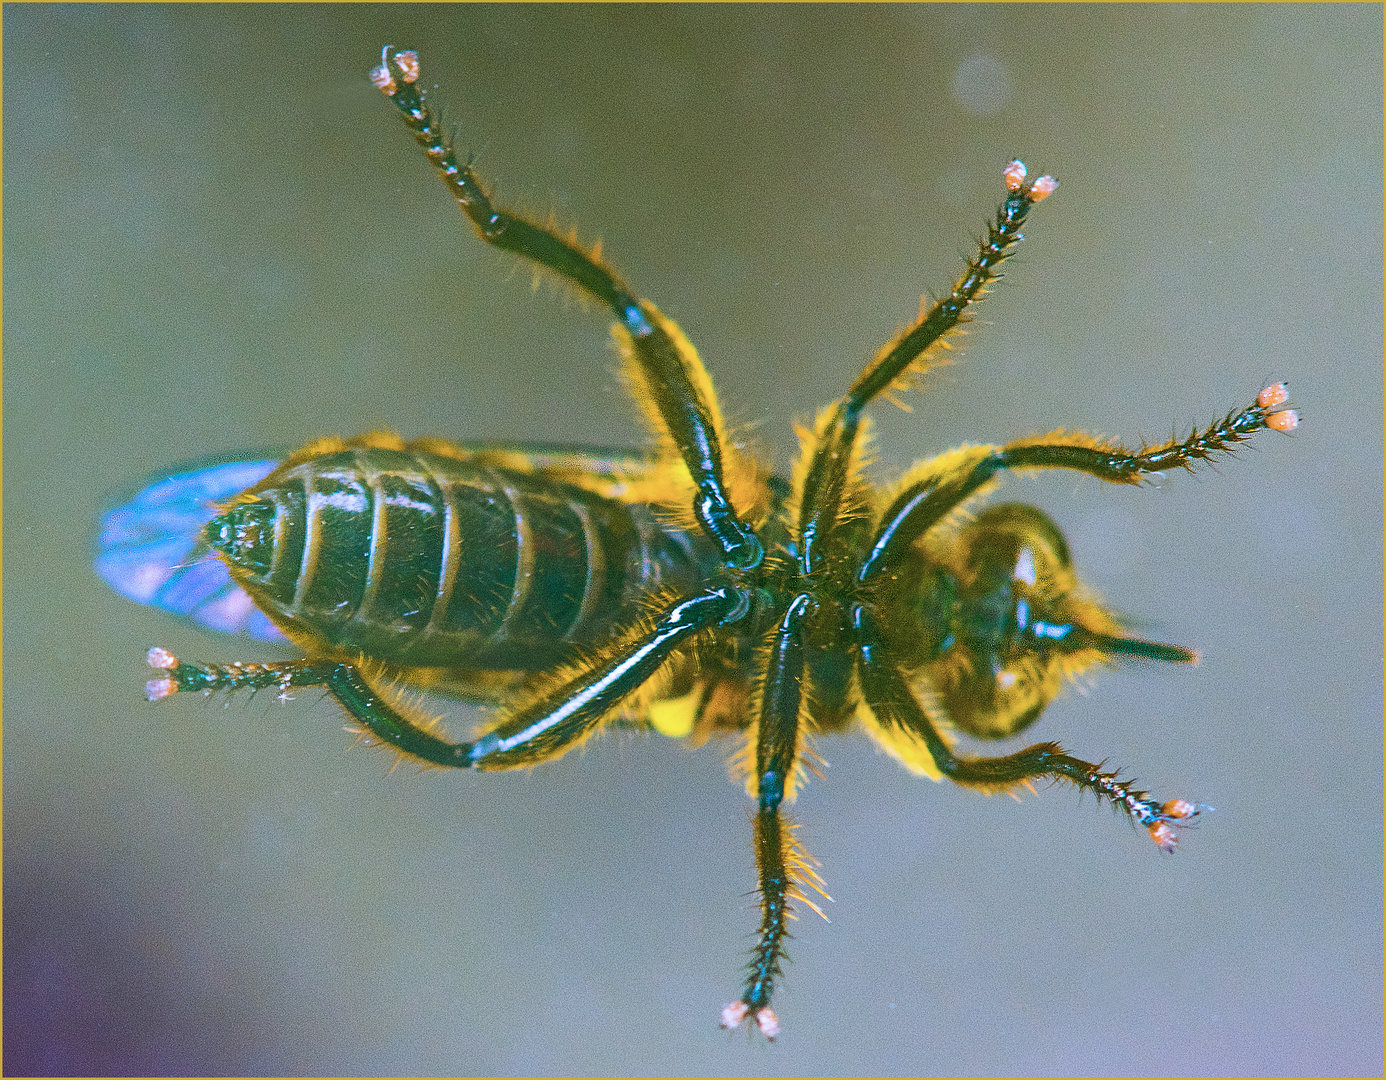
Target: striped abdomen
(427,561)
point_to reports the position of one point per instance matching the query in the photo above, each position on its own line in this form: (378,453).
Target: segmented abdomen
(423,560)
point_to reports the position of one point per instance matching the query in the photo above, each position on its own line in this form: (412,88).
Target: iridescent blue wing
(150,550)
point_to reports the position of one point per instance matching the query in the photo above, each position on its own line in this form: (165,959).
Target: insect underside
(684,587)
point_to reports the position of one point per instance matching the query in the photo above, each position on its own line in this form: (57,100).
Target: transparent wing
(149,549)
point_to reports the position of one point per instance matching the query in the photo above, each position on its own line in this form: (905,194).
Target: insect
(684,588)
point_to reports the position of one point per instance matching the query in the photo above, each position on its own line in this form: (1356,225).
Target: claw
(1178,811)
(733,1014)
(160,659)
(158,689)
(1040,189)
(766,1020)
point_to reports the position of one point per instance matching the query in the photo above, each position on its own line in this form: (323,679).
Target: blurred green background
(218,237)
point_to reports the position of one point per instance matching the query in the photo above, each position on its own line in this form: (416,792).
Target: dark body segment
(419,559)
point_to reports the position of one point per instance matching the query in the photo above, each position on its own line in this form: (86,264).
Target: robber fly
(683,587)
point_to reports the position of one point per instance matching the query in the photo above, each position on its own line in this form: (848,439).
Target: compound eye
(1025,571)
(1016,544)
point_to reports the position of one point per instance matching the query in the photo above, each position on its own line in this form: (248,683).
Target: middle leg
(784,869)
(898,712)
(910,352)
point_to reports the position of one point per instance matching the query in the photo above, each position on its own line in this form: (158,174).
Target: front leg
(936,488)
(900,716)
